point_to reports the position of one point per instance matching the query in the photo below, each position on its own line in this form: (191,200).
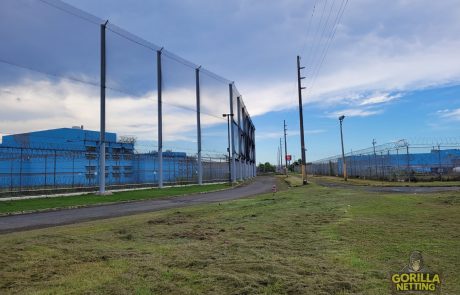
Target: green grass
(293,180)
(92,199)
(303,240)
(370,182)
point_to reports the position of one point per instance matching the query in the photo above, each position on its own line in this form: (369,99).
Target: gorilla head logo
(416,263)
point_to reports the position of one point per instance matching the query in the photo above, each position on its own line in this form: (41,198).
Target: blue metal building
(68,157)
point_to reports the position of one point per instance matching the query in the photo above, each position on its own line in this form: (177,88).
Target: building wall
(70,157)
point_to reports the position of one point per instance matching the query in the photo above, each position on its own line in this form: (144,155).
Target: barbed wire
(411,144)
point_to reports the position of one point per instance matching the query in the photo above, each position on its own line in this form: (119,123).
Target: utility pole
(278,158)
(302,140)
(285,148)
(281,154)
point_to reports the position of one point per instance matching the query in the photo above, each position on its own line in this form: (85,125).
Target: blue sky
(392,68)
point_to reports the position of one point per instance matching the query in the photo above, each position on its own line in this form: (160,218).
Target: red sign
(288,157)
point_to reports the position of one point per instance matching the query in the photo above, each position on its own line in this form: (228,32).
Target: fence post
(198,126)
(160,121)
(11,173)
(389,166)
(73,169)
(440,170)
(174,162)
(375,166)
(54,170)
(46,165)
(20,172)
(408,162)
(370,167)
(382,167)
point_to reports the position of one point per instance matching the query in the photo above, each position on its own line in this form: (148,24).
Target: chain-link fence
(81,95)
(396,161)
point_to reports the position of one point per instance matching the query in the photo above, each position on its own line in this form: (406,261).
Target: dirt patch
(449,200)
(170,220)
(195,235)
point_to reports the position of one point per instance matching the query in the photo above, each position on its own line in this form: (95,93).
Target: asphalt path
(13,223)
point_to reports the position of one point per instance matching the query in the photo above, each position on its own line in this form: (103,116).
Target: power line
(340,14)
(309,26)
(320,40)
(315,36)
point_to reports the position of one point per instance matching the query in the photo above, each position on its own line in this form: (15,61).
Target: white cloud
(450,114)
(354,113)
(378,50)
(274,135)
(40,104)
(378,99)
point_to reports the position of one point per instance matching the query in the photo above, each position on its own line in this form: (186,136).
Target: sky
(391,67)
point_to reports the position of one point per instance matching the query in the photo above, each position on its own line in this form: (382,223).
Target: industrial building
(68,157)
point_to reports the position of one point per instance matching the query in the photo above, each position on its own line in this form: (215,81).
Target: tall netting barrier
(49,91)
(179,124)
(131,109)
(87,105)
(397,161)
(215,117)
(243,138)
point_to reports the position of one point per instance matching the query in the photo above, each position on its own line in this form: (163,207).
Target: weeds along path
(259,185)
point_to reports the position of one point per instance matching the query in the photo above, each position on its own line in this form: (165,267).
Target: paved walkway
(262,184)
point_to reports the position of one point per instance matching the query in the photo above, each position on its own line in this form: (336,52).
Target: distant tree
(261,167)
(266,167)
(269,167)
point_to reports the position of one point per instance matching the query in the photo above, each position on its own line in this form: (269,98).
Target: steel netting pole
(160,121)
(198,126)
(102,115)
(231,137)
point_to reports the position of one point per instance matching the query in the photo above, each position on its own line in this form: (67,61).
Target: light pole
(228,148)
(344,165)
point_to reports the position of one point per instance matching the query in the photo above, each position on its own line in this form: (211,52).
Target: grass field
(370,182)
(92,199)
(303,240)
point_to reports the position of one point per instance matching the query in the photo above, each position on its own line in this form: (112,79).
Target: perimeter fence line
(396,161)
